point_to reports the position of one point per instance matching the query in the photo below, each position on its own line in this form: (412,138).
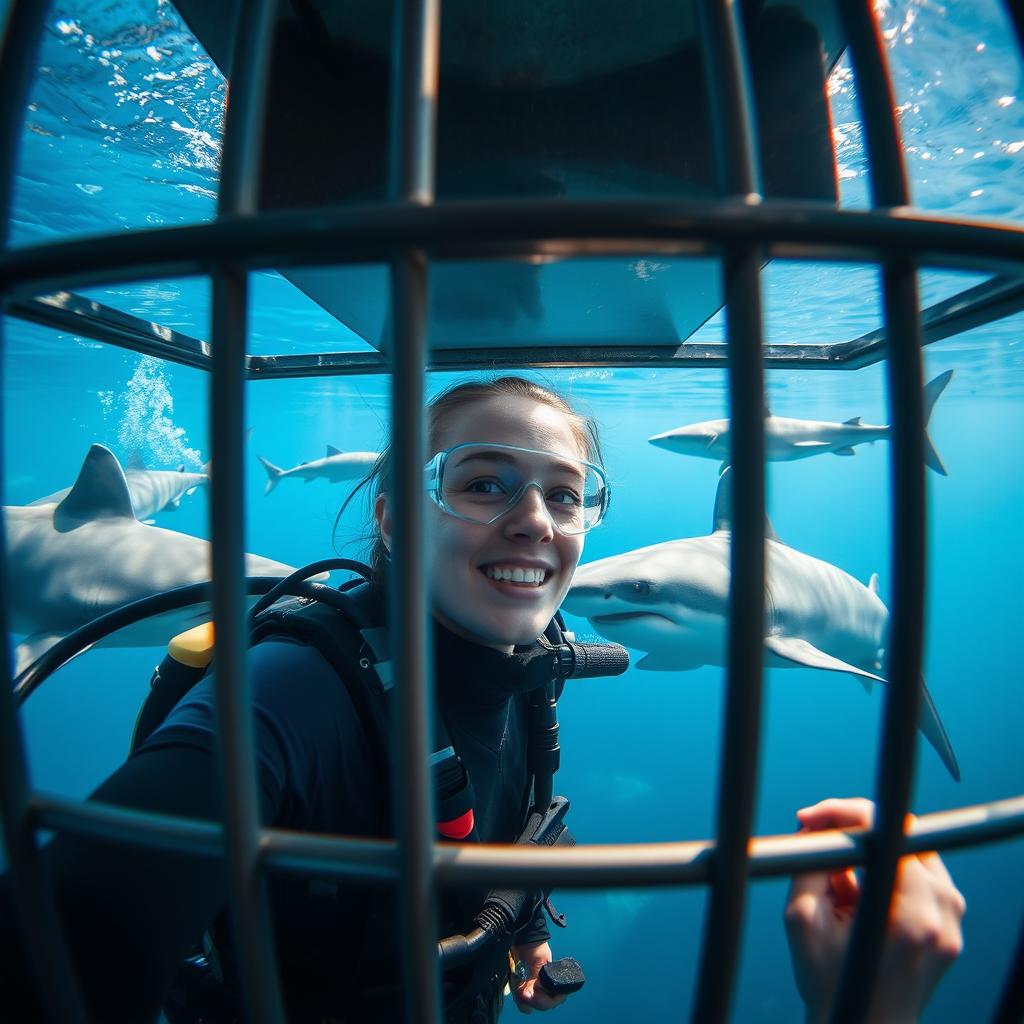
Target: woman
(516,481)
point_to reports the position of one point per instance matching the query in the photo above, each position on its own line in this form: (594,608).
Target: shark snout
(673,440)
(584,599)
(607,597)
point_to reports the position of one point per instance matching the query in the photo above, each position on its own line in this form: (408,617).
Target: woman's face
(464,557)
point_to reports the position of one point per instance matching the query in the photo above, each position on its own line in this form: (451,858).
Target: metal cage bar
(411,152)
(516,228)
(622,865)
(1011,1002)
(727,80)
(33,896)
(904,379)
(240,169)
(992,300)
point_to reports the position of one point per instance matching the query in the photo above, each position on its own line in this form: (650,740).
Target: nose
(528,518)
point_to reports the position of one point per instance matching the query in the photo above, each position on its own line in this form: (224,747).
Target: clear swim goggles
(481,482)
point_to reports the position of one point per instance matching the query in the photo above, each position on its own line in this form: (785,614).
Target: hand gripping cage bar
(408,231)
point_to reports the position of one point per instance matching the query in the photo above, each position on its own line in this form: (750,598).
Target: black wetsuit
(132,915)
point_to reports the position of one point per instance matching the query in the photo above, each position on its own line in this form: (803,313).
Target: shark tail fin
(274,474)
(932,390)
(931,725)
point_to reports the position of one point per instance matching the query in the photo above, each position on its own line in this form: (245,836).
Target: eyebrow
(509,459)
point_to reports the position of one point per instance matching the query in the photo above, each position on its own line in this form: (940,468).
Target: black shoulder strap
(349,635)
(344,635)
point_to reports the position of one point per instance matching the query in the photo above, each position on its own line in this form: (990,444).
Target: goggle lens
(481,482)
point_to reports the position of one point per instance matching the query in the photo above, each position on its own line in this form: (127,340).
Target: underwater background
(123,132)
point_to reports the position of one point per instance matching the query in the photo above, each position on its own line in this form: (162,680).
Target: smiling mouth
(515,574)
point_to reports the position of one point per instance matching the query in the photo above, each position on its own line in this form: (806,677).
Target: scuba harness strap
(347,634)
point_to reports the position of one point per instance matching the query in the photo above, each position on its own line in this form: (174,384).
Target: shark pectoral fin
(930,724)
(712,440)
(844,451)
(810,444)
(792,648)
(331,450)
(665,662)
(32,648)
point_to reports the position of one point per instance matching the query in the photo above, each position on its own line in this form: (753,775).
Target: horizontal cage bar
(582,866)
(984,303)
(512,229)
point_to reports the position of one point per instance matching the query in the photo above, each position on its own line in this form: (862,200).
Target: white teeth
(516,574)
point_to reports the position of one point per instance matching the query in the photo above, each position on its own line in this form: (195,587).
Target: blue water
(124,132)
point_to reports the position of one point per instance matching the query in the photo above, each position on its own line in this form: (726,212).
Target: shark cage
(724,160)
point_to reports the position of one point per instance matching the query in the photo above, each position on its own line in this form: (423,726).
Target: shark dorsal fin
(873,583)
(723,516)
(100,492)
(855,422)
(331,450)
(181,467)
(135,460)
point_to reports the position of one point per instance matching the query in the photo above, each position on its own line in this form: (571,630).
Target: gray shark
(151,490)
(672,601)
(335,467)
(69,562)
(790,439)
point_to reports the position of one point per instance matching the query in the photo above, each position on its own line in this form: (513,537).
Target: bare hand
(923,936)
(530,996)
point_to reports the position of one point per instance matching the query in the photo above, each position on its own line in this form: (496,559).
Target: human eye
(484,486)
(565,496)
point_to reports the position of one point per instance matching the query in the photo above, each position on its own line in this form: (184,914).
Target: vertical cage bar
(414,86)
(727,81)
(1016,15)
(1011,1003)
(904,651)
(32,893)
(240,174)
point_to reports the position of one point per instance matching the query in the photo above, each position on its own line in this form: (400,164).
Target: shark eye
(641,587)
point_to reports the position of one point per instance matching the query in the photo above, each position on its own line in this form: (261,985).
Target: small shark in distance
(70,562)
(336,466)
(151,490)
(672,601)
(790,439)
